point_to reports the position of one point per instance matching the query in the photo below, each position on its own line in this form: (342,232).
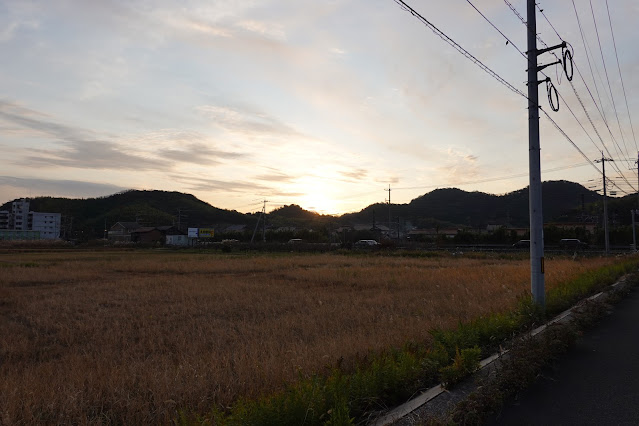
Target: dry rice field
(130,337)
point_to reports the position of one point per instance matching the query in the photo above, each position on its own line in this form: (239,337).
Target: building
(147,235)
(48,224)
(121,231)
(19,219)
(21,223)
(4,219)
(178,240)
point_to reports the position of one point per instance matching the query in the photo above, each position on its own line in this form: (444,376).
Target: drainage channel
(431,394)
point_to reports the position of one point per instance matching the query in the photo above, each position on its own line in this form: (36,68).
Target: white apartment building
(21,219)
(4,219)
(47,223)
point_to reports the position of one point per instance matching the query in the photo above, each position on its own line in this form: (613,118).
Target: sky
(324,104)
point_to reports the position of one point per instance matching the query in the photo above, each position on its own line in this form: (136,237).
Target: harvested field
(130,337)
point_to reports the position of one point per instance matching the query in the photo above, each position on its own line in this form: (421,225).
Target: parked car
(522,244)
(572,243)
(295,241)
(366,244)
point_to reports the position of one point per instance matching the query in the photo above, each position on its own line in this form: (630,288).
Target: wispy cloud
(79,148)
(246,121)
(198,153)
(356,174)
(91,154)
(203,184)
(459,167)
(60,188)
(275,177)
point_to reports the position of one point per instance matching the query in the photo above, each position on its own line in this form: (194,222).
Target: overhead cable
(457,47)
(621,77)
(603,60)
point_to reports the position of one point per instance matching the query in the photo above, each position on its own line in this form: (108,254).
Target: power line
(612,98)
(498,30)
(457,47)
(587,49)
(485,68)
(621,76)
(617,147)
(495,179)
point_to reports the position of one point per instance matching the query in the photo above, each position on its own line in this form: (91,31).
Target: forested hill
(148,207)
(453,206)
(562,200)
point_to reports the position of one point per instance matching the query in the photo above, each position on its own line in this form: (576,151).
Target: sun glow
(320,203)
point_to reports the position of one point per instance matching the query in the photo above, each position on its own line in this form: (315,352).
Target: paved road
(596,383)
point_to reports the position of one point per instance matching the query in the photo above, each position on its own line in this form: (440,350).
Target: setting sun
(319,202)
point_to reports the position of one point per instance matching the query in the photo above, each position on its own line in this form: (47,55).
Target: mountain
(562,201)
(87,217)
(454,206)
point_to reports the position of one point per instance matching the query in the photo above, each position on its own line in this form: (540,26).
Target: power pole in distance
(605,201)
(389,210)
(262,217)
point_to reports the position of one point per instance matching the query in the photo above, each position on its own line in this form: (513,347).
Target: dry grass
(129,337)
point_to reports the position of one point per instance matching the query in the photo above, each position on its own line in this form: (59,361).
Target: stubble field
(131,337)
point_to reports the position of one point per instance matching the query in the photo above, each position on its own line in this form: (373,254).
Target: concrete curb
(431,394)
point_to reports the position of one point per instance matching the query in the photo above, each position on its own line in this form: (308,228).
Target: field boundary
(429,396)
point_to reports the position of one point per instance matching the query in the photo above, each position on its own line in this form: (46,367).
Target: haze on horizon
(320,104)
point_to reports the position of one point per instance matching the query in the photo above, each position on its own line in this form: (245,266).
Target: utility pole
(634,236)
(605,201)
(537,279)
(634,212)
(262,216)
(180,215)
(637,163)
(389,210)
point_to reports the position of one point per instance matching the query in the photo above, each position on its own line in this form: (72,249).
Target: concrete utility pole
(262,216)
(389,210)
(537,279)
(637,163)
(634,236)
(605,201)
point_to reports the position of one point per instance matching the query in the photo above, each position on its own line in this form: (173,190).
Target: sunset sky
(318,103)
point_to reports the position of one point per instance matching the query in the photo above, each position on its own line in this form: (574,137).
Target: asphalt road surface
(595,383)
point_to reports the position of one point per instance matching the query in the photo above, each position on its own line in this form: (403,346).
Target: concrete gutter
(431,394)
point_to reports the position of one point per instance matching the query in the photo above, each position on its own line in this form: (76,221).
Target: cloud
(246,121)
(459,167)
(198,153)
(88,154)
(61,188)
(81,148)
(356,174)
(38,122)
(84,149)
(264,29)
(202,184)
(275,177)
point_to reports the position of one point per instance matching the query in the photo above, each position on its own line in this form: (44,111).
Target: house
(178,240)
(170,230)
(121,231)
(433,233)
(147,235)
